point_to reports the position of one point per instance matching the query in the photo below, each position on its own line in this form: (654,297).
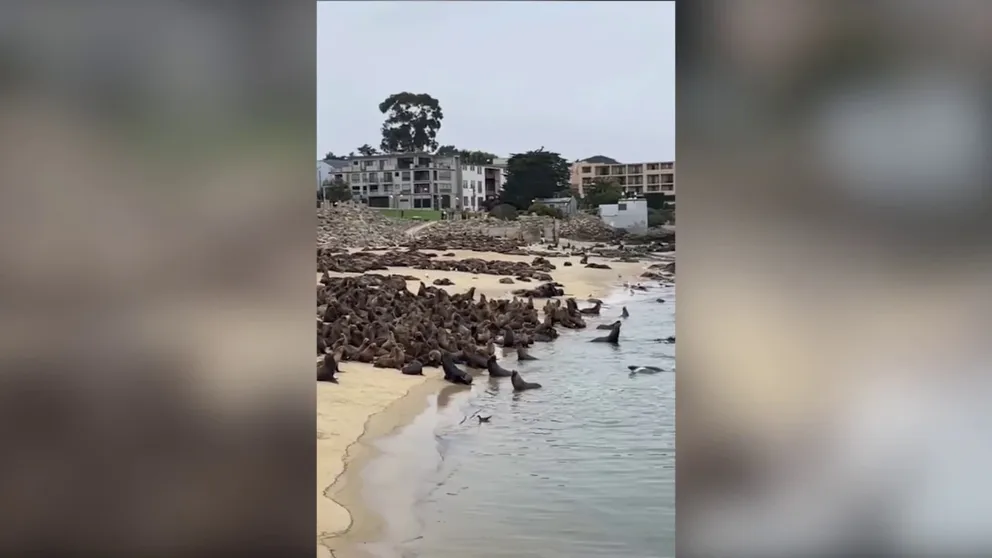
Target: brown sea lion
(519,384)
(327,369)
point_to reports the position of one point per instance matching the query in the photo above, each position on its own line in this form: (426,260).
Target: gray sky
(579,78)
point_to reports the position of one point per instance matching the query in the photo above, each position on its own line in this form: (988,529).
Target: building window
(586,181)
(667,187)
(622,207)
(406,175)
(586,170)
(652,166)
(464,183)
(464,201)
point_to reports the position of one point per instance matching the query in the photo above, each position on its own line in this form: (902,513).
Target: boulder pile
(353,225)
(329,259)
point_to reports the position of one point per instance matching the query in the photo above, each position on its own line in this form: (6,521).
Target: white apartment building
(405,180)
(480,183)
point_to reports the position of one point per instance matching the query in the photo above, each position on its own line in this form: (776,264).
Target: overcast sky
(579,78)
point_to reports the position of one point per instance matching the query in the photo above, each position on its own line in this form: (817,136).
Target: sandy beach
(369,402)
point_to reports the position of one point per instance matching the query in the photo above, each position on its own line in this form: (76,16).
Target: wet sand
(368,403)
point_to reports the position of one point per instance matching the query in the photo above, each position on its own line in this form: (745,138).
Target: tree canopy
(601,191)
(466,156)
(412,122)
(600,159)
(535,174)
(330,155)
(337,190)
(367,150)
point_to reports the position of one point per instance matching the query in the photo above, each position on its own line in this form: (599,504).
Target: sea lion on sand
(608,326)
(415,368)
(497,371)
(321,346)
(624,314)
(327,370)
(522,354)
(644,369)
(519,384)
(452,373)
(613,337)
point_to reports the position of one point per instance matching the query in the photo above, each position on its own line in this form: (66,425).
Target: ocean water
(584,467)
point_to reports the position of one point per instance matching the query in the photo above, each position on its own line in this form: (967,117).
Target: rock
(361,262)
(506,281)
(353,225)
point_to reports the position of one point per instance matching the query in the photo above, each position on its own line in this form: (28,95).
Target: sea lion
(327,369)
(613,337)
(660,300)
(483,419)
(593,310)
(519,384)
(522,354)
(624,314)
(644,369)
(508,339)
(497,371)
(452,373)
(414,368)
(608,326)
(321,346)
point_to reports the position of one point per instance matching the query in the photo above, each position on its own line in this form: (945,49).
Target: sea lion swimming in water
(519,384)
(452,373)
(613,337)
(608,326)
(522,354)
(327,370)
(624,314)
(414,368)
(644,370)
(497,371)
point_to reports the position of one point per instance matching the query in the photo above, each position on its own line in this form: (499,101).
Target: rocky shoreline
(375,318)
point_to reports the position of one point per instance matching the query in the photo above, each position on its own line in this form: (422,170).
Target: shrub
(659,217)
(505,212)
(541,209)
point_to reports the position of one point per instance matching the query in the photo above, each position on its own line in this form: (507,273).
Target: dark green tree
(466,156)
(367,150)
(602,190)
(337,190)
(330,155)
(535,174)
(412,122)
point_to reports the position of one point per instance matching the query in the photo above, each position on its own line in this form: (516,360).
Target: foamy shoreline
(369,403)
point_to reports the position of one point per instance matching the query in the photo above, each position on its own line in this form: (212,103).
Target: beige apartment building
(634,178)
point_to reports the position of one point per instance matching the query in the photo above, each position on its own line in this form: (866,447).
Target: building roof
(554,200)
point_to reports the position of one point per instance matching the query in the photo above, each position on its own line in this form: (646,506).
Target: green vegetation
(505,212)
(535,174)
(466,156)
(659,217)
(601,191)
(337,191)
(416,214)
(541,209)
(412,123)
